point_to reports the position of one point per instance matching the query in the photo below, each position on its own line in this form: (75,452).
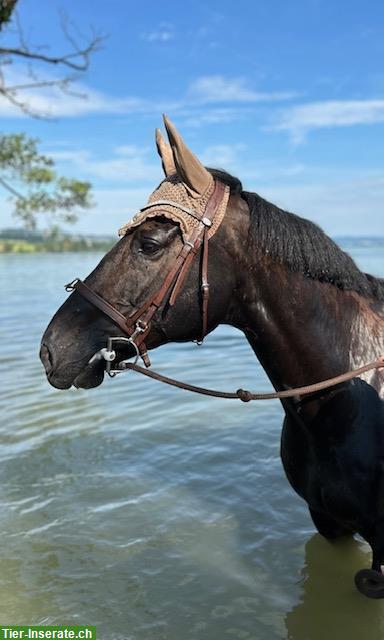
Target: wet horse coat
(308,313)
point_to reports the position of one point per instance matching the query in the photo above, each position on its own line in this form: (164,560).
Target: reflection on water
(150,512)
(329,606)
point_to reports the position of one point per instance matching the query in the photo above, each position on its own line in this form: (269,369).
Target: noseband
(137,326)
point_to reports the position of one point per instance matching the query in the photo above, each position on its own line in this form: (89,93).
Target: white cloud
(113,208)
(301,119)
(268,172)
(81,100)
(222,155)
(216,88)
(210,115)
(129,163)
(53,103)
(347,206)
(161,34)
(352,206)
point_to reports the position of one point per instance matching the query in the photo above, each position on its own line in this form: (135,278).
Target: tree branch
(11,190)
(65,60)
(77,60)
(23,106)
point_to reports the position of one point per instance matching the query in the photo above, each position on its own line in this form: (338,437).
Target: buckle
(71,286)
(140,327)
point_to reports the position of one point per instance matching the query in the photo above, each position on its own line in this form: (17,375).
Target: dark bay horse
(307,311)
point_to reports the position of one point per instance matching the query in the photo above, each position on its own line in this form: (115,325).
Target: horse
(305,308)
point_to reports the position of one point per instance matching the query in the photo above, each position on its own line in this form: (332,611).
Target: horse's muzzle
(46,358)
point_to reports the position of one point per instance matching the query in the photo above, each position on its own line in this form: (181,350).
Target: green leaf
(34,185)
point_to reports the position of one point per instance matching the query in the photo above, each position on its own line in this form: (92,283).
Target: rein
(247,396)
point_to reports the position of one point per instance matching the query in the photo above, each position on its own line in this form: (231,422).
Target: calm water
(152,513)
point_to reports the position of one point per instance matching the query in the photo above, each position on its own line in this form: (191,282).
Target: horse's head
(162,251)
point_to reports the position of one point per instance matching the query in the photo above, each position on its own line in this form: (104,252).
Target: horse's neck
(304,331)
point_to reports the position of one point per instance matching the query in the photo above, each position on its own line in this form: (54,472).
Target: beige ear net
(184,193)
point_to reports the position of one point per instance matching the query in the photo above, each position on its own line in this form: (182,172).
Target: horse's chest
(338,468)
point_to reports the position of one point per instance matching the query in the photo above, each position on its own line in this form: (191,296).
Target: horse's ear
(165,153)
(194,175)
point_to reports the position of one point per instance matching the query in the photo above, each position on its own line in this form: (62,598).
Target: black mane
(301,244)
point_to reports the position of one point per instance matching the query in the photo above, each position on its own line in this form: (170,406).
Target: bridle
(138,324)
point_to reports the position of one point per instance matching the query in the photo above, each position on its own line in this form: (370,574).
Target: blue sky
(288,96)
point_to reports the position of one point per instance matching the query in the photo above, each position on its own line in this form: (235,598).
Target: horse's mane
(301,245)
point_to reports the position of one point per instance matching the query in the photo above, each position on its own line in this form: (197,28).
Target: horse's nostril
(45,357)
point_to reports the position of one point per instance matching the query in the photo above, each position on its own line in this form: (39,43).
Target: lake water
(150,512)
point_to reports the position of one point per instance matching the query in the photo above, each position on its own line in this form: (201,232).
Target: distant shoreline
(16,240)
(54,246)
(30,242)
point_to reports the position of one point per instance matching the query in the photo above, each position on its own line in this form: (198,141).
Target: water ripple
(150,512)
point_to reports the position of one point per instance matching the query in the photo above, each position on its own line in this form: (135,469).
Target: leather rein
(138,324)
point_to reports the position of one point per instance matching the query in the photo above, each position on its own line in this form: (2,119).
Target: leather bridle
(138,324)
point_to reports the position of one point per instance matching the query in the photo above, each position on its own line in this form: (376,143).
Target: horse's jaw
(81,374)
(91,376)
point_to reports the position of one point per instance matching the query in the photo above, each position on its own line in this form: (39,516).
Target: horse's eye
(149,246)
